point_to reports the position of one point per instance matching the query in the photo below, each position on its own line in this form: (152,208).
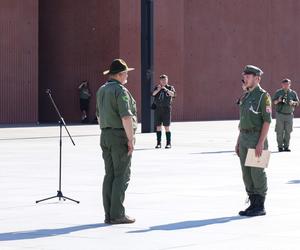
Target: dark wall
(169,51)
(18,61)
(130,45)
(202,45)
(78,40)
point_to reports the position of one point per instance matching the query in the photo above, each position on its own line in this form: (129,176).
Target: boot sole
(121,222)
(254,215)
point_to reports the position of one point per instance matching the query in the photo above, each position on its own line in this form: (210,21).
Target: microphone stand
(61,124)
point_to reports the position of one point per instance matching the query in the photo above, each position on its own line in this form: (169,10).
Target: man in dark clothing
(163,96)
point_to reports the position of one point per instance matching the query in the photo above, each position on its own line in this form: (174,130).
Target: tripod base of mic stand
(60,196)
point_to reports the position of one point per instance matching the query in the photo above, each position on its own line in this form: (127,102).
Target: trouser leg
(246,171)
(279,128)
(108,177)
(259,179)
(122,164)
(288,128)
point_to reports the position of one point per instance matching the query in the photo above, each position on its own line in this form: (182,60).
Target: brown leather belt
(250,130)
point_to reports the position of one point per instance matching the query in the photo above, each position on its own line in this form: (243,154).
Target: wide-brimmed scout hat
(252,70)
(117,66)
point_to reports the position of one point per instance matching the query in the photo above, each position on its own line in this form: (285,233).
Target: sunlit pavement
(187,197)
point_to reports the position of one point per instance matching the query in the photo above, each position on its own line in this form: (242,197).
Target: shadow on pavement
(214,152)
(144,149)
(293,182)
(189,224)
(43,233)
(223,152)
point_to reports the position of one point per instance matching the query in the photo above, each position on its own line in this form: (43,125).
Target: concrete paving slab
(184,198)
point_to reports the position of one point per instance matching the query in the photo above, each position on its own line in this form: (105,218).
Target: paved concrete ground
(184,198)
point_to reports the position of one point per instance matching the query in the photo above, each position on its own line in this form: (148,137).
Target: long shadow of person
(293,182)
(43,233)
(189,224)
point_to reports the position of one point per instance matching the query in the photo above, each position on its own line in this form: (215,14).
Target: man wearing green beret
(285,100)
(117,116)
(255,119)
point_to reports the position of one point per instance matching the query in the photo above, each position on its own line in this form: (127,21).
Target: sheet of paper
(258,162)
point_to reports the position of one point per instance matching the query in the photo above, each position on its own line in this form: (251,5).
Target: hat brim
(106,72)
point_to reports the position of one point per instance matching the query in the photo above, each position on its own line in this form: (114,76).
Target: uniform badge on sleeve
(268,104)
(125,98)
(269,109)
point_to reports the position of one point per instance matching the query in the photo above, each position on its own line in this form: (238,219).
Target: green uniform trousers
(255,179)
(117,171)
(284,128)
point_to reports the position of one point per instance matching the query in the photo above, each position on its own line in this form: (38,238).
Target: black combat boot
(286,149)
(259,207)
(107,219)
(168,136)
(252,202)
(158,138)
(280,149)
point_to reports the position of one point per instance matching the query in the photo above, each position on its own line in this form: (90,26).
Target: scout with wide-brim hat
(117,66)
(117,115)
(252,70)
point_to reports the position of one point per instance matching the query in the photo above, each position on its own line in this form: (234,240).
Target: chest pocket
(254,105)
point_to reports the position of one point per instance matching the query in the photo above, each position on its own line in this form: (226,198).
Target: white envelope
(257,162)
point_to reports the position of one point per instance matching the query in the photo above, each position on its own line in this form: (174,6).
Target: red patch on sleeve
(269,109)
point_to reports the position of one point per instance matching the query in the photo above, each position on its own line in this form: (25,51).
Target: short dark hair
(163,76)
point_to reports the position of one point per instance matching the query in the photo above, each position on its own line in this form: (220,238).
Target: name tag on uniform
(257,162)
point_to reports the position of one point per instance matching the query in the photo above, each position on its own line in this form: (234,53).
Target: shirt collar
(113,81)
(255,89)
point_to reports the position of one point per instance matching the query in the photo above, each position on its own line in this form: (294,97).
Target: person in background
(285,100)
(163,95)
(85,96)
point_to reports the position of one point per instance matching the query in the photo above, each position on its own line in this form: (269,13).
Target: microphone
(48,91)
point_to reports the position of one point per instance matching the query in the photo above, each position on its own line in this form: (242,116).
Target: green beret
(252,70)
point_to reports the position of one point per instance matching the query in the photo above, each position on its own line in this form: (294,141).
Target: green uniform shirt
(284,107)
(114,102)
(255,109)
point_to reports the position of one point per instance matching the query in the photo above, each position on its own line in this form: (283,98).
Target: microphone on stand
(48,91)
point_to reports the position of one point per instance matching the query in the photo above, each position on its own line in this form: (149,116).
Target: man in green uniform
(163,95)
(285,100)
(255,119)
(117,116)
